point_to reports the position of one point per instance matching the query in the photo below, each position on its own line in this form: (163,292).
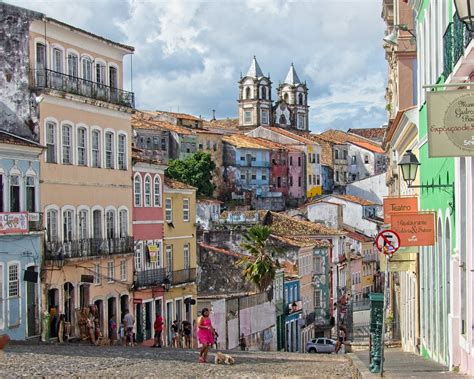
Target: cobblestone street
(91,361)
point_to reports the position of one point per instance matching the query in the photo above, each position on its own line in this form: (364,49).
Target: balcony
(89,247)
(20,222)
(159,276)
(66,83)
(253,164)
(455,40)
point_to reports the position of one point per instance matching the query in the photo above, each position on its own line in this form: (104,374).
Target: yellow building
(85,170)
(179,252)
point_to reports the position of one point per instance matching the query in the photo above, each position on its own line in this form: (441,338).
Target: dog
(222,358)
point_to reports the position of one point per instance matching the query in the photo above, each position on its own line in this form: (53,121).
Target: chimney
(213,115)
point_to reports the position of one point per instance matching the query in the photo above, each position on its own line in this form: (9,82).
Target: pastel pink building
(296,173)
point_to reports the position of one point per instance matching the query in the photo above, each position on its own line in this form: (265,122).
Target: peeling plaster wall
(19,112)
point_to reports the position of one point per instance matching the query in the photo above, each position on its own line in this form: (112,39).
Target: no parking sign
(387,242)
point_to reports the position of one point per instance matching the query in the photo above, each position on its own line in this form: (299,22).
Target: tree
(261,263)
(195,170)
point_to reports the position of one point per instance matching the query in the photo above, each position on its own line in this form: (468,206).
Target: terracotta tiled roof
(248,214)
(139,156)
(225,123)
(290,269)
(175,184)
(141,120)
(184,116)
(287,133)
(243,141)
(357,236)
(355,199)
(220,250)
(13,139)
(374,134)
(370,147)
(338,136)
(302,241)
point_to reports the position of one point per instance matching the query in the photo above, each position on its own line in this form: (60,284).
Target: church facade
(256,107)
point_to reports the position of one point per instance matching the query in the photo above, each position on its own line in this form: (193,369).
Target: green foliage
(195,170)
(261,264)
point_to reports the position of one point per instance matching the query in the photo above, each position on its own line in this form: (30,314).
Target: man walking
(129,321)
(158,326)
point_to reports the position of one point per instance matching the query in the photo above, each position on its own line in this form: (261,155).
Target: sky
(189,54)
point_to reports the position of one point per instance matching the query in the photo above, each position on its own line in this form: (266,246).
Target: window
(72,65)
(300,99)
(147,191)
(337,176)
(123,223)
(299,161)
(366,158)
(51,142)
(318,265)
(95,148)
(81,147)
(109,150)
(122,163)
(310,181)
(110,271)
(291,161)
(254,176)
(169,258)
(13,281)
(123,270)
(87,68)
(247,117)
(336,154)
(52,225)
(264,117)
(97,224)
(186,210)
(291,180)
(354,159)
(200,146)
(264,92)
(318,180)
(57,60)
(67,140)
(264,177)
(82,223)
(186,256)
(97,273)
(300,121)
(157,191)
(137,190)
(299,181)
(247,93)
(15,193)
(68,234)
(317,158)
(242,176)
(163,144)
(110,223)
(100,73)
(41,58)
(113,77)
(138,256)
(168,210)
(314,179)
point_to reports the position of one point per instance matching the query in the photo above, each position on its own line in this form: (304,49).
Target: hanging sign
(13,223)
(392,205)
(153,251)
(450,123)
(387,242)
(415,229)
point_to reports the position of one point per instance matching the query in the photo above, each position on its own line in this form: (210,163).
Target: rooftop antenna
(213,115)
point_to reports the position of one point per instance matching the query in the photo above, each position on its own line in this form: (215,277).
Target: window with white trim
(300,121)
(186,256)
(51,142)
(123,223)
(110,271)
(147,191)
(67,142)
(83,224)
(264,117)
(57,60)
(87,68)
(168,210)
(123,270)
(95,148)
(109,150)
(52,225)
(138,255)
(122,149)
(97,278)
(247,117)
(30,182)
(100,73)
(318,265)
(157,191)
(15,193)
(97,224)
(13,281)
(110,223)
(186,210)
(68,233)
(169,258)
(137,190)
(82,146)
(72,65)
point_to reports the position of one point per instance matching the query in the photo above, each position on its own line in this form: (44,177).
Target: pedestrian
(341,338)
(112,330)
(158,327)
(122,334)
(128,321)
(174,334)
(242,342)
(187,331)
(205,334)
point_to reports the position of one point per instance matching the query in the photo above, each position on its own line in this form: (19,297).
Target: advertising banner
(153,251)
(13,223)
(415,229)
(392,205)
(450,123)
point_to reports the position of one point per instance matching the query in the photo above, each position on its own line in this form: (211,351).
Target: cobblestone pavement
(79,360)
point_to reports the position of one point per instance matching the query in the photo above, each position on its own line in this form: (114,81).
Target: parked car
(321,345)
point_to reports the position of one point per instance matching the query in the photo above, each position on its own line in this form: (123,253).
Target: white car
(321,345)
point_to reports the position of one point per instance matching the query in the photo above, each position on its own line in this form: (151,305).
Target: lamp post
(392,38)
(465,10)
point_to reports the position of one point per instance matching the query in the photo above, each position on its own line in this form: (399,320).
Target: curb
(359,369)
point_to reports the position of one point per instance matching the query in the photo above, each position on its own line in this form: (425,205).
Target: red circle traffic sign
(387,242)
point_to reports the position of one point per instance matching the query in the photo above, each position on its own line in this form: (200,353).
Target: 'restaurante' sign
(415,229)
(450,123)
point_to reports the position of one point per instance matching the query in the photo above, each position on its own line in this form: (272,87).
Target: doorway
(168,321)
(84,298)
(99,304)
(32,306)
(68,302)
(123,306)
(111,313)
(148,318)
(139,322)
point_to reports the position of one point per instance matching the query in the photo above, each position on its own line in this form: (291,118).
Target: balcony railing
(455,40)
(89,247)
(160,276)
(253,164)
(71,84)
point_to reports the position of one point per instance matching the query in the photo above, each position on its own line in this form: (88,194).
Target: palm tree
(261,264)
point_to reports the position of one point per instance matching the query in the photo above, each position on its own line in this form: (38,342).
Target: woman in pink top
(205,334)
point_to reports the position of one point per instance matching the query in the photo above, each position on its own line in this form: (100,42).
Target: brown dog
(222,358)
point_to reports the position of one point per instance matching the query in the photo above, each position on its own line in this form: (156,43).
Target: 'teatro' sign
(451,123)
(392,205)
(415,229)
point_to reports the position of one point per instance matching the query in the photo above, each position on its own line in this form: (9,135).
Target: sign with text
(153,250)
(387,242)
(415,229)
(450,123)
(13,223)
(392,205)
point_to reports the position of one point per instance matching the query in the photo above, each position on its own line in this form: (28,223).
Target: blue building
(294,308)
(20,237)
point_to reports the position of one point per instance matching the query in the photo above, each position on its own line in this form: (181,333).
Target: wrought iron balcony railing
(89,247)
(455,40)
(161,276)
(45,78)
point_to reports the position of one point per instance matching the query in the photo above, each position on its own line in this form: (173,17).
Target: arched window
(83,224)
(52,225)
(82,147)
(123,223)
(282,120)
(110,223)
(51,142)
(264,92)
(109,150)
(30,193)
(67,143)
(87,68)
(157,191)
(285,97)
(137,190)
(68,225)
(97,223)
(148,191)
(95,148)
(300,99)
(247,93)
(72,65)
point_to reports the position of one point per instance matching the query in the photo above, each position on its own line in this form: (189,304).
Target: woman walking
(205,334)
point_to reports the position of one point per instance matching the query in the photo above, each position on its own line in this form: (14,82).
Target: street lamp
(409,166)
(166,284)
(392,38)
(465,9)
